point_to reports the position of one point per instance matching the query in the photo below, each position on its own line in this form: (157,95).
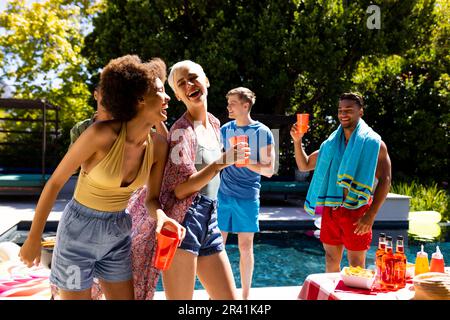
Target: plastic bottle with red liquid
(437,261)
(388,266)
(400,264)
(379,254)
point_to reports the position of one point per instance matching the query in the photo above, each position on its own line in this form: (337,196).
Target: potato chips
(359,272)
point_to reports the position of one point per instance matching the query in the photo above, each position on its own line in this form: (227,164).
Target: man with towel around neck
(351,180)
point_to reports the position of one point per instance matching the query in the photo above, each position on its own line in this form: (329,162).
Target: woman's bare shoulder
(158,139)
(160,145)
(104,131)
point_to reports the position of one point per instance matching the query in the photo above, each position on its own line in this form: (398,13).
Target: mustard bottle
(421,262)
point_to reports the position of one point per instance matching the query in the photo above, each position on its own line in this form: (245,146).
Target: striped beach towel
(339,166)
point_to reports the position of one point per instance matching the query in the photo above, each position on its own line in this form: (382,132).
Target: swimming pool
(286,258)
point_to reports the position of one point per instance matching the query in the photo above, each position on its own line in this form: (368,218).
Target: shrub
(425,197)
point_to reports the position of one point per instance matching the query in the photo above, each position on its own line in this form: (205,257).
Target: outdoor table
(329,286)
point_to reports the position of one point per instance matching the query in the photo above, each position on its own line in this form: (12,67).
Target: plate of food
(358,277)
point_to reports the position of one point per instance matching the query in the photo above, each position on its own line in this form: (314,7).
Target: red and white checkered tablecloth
(322,286)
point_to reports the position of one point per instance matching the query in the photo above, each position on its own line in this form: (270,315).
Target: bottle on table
(388,266)
(421,262)
(400,264)
(437,261)
(379,254)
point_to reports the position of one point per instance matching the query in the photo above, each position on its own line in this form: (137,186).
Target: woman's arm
(201,178)
(161,149)
(83,149)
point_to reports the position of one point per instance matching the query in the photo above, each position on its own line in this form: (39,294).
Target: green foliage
(23,134)
(425,197)
(40,45)
(266,45)
(297,55)
(408,102)
(41,56)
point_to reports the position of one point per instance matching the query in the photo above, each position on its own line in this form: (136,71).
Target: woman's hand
(237,153)
(164,222)
(30,253)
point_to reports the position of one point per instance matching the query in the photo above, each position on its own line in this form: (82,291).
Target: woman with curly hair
(116,158)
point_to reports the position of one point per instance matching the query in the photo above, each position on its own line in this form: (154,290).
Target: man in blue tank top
(238,197)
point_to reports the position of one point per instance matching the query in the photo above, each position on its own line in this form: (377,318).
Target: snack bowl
(358,277)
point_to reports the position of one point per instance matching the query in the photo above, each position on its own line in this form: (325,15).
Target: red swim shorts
(337,228)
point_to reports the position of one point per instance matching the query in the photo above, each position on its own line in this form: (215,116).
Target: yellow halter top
(100,188)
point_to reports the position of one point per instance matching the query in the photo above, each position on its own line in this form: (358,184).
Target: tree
(408,100)
(40,58)
(297,55)
(40,47)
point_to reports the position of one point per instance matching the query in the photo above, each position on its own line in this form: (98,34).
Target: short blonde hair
(182,65)
(244,94)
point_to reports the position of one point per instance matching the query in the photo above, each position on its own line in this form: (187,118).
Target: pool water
(286,258)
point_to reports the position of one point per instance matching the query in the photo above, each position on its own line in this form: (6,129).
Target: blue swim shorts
(203,236)
(237,215)
(91,243)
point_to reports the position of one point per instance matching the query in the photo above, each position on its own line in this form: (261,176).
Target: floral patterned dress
(179,167)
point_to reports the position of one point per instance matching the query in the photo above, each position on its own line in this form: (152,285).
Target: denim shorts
(91,243)
(203,237)
(237,215)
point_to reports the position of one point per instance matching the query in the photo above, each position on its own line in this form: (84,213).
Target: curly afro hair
(124,82)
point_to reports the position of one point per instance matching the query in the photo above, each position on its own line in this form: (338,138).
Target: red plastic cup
(166,245)
(303,122)
(235,140)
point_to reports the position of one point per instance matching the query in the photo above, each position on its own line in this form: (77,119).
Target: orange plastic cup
(303,122)
(235,140)
(166,245)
